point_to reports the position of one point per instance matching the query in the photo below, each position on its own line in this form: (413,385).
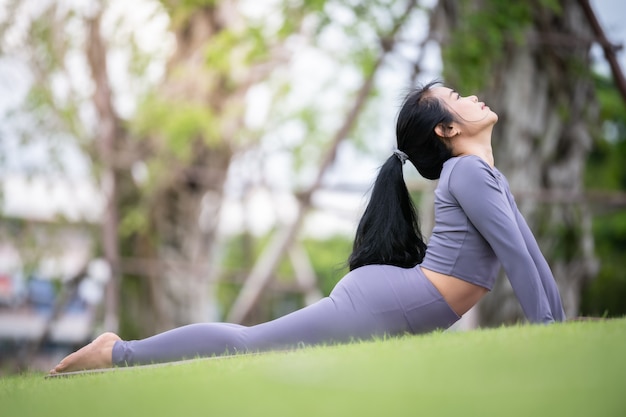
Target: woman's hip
(398,299)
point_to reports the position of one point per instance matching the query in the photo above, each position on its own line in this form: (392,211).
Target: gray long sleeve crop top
(478,228)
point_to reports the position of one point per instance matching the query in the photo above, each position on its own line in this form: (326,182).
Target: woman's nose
(474,99)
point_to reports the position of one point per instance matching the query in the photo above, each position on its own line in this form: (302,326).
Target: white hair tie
(401,155)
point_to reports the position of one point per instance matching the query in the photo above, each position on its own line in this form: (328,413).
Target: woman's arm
(475,186)
(545,273)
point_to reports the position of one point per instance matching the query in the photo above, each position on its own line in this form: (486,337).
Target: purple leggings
(371,301)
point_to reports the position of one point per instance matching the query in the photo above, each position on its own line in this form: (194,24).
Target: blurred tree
(190,128)
(161,146)
(162,167)
(606,172)
(69,98)
(369,55)
(531,62)
(197,121)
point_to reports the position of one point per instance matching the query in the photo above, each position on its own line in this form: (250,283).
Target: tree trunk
(185,210)
(543,94)
(108,136)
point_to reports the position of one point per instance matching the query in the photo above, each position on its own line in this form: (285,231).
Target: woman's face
(469,111)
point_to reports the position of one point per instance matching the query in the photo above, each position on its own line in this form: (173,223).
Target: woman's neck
(470,146)
(479,145)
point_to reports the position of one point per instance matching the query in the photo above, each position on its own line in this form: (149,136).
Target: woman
(396,284)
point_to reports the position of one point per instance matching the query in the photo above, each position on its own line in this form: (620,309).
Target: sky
(612,17)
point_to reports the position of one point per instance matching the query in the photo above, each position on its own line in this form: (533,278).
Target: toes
(60,367)
(57,369)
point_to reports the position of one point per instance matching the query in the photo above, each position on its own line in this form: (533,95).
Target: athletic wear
(371,301)
(478,227)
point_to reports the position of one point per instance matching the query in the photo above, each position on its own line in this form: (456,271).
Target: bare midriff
(459,294)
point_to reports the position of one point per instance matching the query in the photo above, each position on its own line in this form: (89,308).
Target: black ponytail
(389,232)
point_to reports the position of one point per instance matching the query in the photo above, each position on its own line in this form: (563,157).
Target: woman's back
(456,247)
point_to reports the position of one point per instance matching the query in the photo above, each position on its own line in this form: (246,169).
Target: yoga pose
(397,284)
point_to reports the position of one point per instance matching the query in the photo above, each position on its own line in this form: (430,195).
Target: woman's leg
(310,325)
(316,323)
(370,301)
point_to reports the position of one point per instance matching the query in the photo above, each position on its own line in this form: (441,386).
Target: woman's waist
(459,293)
(475,267)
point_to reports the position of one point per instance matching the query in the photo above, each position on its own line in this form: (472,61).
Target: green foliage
(328,258)
(237,49)
(564,235)
(176,125)
(132,288)
(606,170)
(605,166)
(133,221)
(181,10)
(480,39)
(571,369)
(606,295)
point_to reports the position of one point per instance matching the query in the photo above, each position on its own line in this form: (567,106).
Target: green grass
(572,369)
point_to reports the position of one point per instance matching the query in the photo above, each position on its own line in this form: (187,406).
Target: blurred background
(169,162)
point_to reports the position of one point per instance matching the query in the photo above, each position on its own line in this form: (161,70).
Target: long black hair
(389,231)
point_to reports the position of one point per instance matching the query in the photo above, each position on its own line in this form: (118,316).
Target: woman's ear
(447,132)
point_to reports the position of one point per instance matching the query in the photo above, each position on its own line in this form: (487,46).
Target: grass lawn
(571,369)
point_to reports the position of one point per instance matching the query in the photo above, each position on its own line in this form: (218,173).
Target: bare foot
(95,355)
